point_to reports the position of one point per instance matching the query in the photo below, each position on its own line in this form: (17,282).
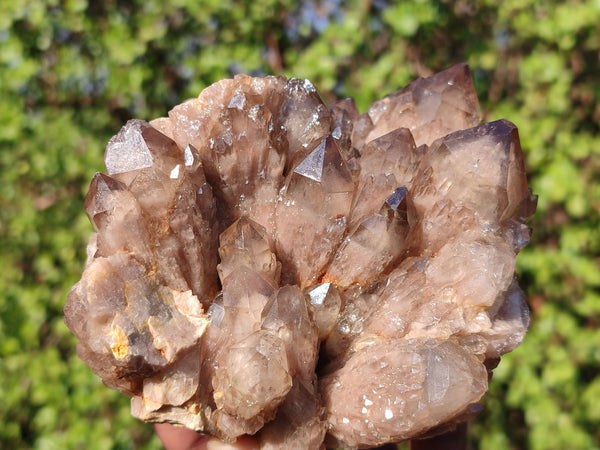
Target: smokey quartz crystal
(316,277)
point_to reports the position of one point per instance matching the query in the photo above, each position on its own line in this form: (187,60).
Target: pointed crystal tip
(128,150)
(396,198)
(312,166)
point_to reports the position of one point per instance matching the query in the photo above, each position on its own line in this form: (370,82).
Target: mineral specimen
(316,277)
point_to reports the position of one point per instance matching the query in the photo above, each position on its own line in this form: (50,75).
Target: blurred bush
(73,71)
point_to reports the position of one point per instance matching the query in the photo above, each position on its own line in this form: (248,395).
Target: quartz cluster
(264,264)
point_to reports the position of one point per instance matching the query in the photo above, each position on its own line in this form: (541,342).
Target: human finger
(179,438)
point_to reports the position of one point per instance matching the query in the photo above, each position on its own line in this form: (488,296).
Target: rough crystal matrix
(317,277)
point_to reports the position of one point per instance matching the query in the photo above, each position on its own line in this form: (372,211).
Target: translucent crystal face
(266,265)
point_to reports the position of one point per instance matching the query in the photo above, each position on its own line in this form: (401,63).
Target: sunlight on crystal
(264,264)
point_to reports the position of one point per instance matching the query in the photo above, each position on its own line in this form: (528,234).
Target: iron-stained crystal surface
(264,264)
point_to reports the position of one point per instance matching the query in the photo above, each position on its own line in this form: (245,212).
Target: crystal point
(430,107)
(101,196)
(395,200)
(312,166)
(128,150)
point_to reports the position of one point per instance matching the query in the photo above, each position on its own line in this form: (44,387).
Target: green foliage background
(73,71)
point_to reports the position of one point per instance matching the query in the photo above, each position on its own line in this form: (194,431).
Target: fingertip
(179,438)
(242,443)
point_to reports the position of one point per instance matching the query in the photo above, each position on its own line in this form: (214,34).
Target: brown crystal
(429,107)
(265,265)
